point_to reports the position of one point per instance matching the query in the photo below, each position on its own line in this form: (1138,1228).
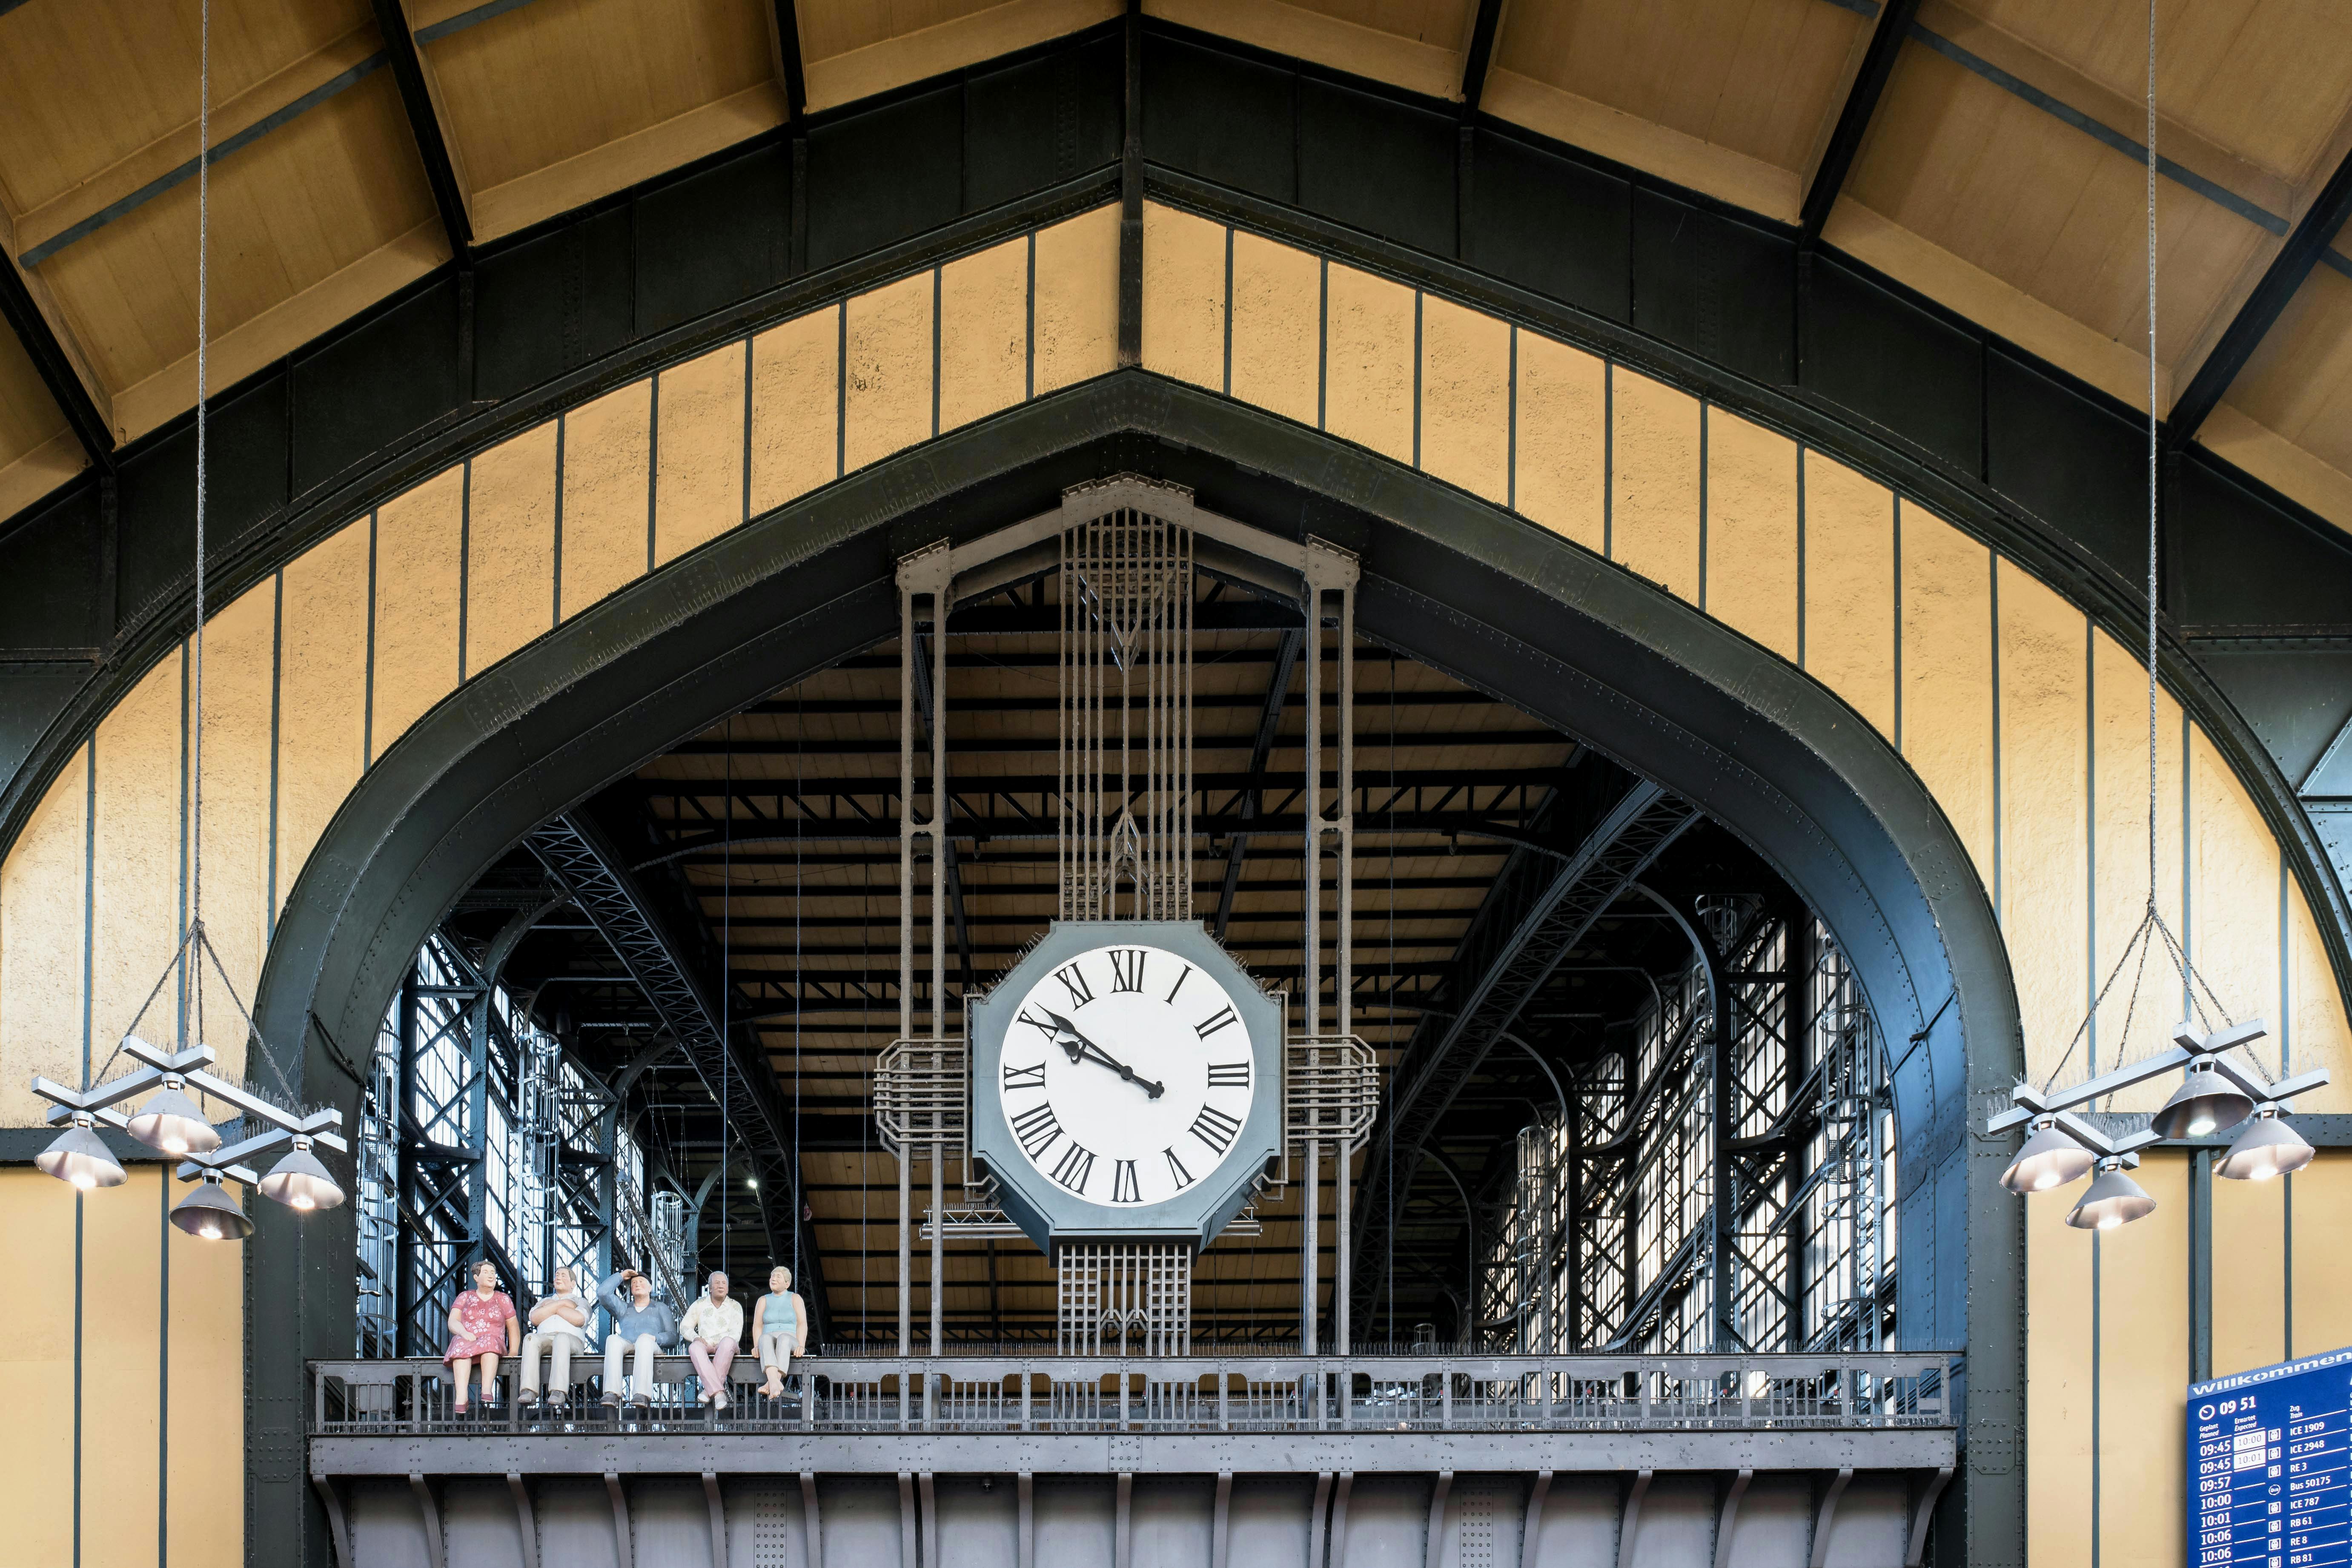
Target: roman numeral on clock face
(1126,968)
(1123,1187)
(1036,1128)
(1223,1075)
(1034,1076)
(1215,1128)
(1042,1024)
(1176,1170)
(1077,1164)
(1074,983)
(1216,1021)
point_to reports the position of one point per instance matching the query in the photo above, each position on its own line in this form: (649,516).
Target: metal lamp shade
(2114,1199)
(209,1214)
(172,1123)
(2205,1102)
(2050,1159)
(299,1182)
(2268,1147)
(80,1156)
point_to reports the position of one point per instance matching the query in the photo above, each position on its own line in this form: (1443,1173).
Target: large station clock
(1127,1083)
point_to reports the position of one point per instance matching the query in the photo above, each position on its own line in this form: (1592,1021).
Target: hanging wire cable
(800,732)
(726,987)
(2151,456)
(2197,997)
(191,928)
(1391,1266)
(204,290)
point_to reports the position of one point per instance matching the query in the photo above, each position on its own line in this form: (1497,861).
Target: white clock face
(1127,1075)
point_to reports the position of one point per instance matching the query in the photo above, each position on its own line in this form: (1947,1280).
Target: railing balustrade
(989,1393)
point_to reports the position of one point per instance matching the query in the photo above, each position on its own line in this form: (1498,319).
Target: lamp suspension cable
(2215,1092)
(204,294)
(171,1120)
(2198,997)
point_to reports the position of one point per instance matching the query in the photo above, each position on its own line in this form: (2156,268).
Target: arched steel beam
(1519,937)
(597,880)
(1454,581)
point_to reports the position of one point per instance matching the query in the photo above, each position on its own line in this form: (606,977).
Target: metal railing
(985,1393)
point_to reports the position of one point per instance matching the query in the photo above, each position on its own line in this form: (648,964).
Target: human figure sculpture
(779,1330)
(482,1327)
(559,1326)
(713,1330)
(641,1329)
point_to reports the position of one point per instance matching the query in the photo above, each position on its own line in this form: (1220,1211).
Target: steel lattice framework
(591,875)
(1542,907)
(478,1136)
(1726,1184)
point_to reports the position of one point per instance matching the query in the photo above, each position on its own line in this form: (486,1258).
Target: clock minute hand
(1151,1090)
(1076,1047)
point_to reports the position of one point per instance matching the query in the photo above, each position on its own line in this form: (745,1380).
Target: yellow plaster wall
(983,336)
(2060,1370)
(322,691)
(2251,1319)
(37,1465)
(2024,721)
(1848,639)
(700,448)
(417,567)
(509,546)
(887,403)
(1654,492)
(1465,399)
(1561,447)
(101,1259)
(604,532)
(1751,535)
(1077,300)
(1277,327)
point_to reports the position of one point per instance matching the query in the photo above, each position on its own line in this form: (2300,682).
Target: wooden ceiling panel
(1759,77)
(855,48)
(2042,207)
(2299,382)
(1441,23)
(29,416)
(560,78)
(834,27)
(37,451)
(295,209)
(2270,80)
(1416,45)
(139,58)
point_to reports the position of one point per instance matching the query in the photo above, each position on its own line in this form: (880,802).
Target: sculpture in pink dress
(481,1325)
(482,1328)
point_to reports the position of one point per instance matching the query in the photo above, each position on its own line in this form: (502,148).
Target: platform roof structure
(1985,154)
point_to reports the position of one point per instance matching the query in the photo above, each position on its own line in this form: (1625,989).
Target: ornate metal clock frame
(1125,550)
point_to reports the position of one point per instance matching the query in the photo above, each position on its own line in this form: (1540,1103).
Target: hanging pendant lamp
(172,1123)
(2050,1159)
(210,1214)
(2267,1148)
(299,1181)
(2205,1102)
(81,1157)
(2114,1199)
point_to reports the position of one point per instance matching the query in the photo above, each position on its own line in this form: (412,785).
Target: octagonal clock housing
(1125,1084)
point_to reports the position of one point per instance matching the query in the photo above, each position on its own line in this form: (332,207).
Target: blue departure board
(2270,1467)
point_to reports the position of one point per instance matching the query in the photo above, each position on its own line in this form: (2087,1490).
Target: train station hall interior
(1176,784)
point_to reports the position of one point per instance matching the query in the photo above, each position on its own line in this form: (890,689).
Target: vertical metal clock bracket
(1125,550)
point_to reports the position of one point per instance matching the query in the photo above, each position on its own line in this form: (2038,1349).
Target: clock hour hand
(1076,1047)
